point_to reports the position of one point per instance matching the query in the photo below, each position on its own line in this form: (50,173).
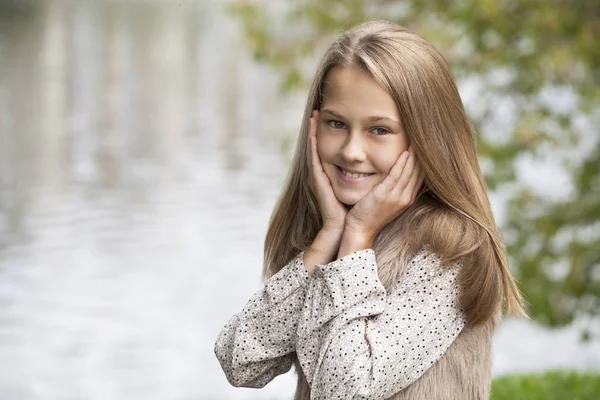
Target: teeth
(351,175)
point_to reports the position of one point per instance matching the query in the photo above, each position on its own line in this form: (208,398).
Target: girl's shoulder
(428,257)
(427,266)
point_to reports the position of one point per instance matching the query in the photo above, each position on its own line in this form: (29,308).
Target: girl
(385,271)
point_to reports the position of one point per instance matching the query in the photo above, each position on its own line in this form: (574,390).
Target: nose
(353,149)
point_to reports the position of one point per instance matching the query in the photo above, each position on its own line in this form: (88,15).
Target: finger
(315,115)
(311,157)
(311,134)
(409,170)
(393,177)
(412,186)
(315,159)
(314,121)
(309,145)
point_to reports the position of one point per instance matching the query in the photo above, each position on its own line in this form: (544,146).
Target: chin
(347,200)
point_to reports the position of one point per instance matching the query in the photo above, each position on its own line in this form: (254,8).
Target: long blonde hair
(452,213)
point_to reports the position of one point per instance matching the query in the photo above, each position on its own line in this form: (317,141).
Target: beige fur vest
(463,373)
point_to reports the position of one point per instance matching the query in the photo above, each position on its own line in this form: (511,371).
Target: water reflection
(140,157)
(134,186)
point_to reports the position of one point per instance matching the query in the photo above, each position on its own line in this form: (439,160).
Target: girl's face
(359,132)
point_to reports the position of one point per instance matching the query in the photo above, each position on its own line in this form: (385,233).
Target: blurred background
(143,145)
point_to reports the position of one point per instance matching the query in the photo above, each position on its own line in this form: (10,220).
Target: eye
(336,124)
(381,131)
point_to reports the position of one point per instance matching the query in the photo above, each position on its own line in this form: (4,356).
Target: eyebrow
(373,118)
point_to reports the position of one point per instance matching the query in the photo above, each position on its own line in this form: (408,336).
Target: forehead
(351,90)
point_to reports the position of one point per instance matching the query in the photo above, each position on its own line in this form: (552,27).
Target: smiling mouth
(350,176)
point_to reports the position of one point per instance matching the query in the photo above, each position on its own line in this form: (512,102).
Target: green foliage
(551,385)
(519,50)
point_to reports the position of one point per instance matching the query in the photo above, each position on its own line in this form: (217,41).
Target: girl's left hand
(388,199)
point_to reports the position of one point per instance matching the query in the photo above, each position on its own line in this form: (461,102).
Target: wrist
(323,249)
(357,233)
(333,230)
(327,241)
(353,241)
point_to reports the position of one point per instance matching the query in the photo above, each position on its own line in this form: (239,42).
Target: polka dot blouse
(353,340)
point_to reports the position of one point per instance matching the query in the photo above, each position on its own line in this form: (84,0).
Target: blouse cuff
(349,280)
(299,269)
(364,258)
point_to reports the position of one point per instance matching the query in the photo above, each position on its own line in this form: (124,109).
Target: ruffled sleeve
(257,344)
(352,339)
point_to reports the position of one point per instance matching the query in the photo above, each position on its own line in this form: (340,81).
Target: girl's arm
(324,248)
(257,344)
(355,341)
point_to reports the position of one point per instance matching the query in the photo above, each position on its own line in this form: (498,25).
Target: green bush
(551,385)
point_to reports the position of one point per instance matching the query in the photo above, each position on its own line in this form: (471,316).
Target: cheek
(386,161)
(327,147)
(389,154)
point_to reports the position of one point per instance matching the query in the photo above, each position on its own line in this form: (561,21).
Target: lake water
(141,153)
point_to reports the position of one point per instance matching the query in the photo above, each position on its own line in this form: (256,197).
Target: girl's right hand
(332,210)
